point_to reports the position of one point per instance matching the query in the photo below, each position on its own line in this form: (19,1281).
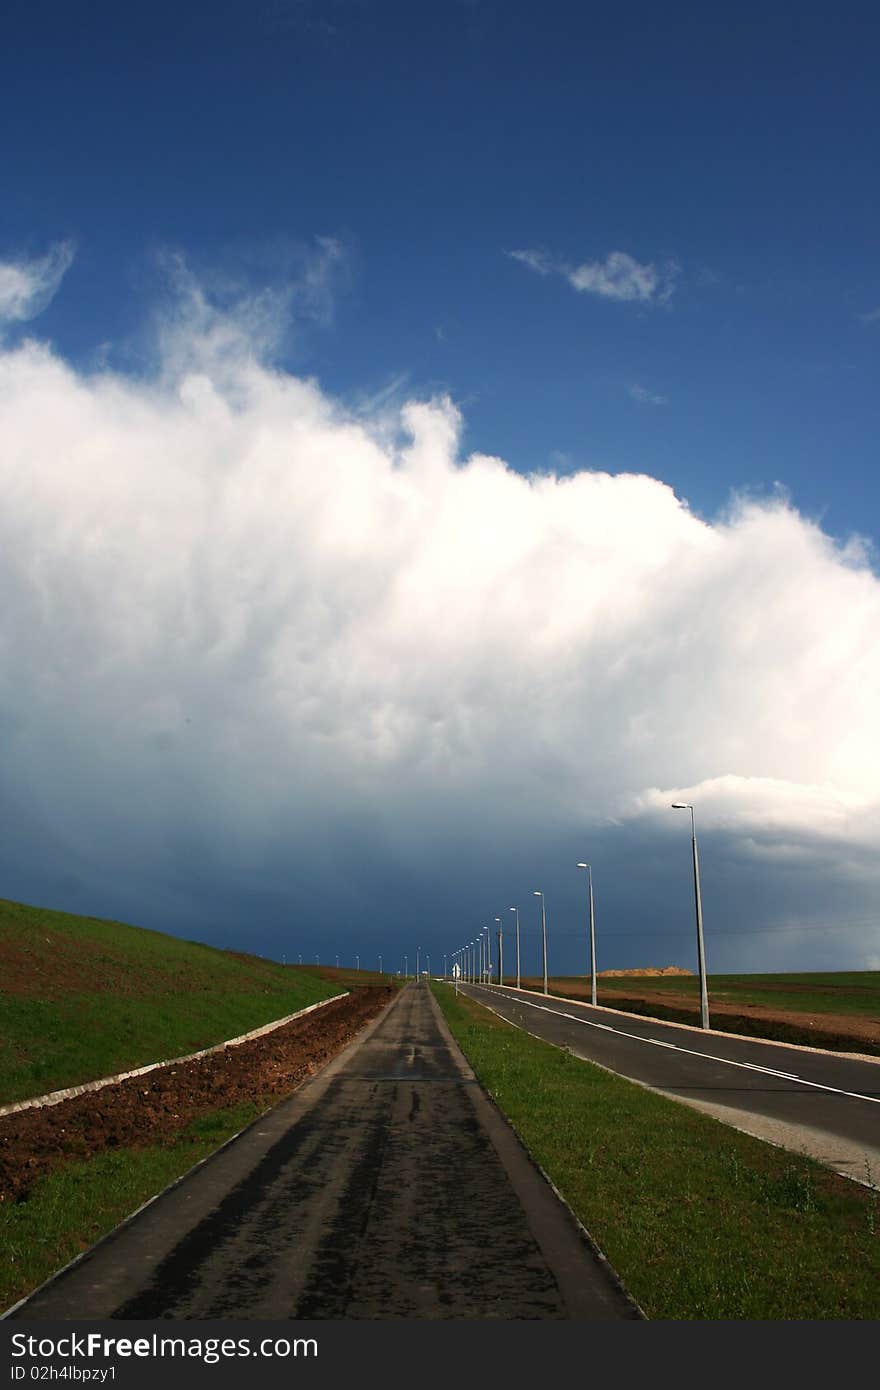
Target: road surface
(387,1187)
(825,1104)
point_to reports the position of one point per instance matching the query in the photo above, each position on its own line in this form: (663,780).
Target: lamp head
(681,806)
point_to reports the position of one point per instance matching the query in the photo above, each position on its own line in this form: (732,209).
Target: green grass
(85,998)
(699,1220)
(73,1207)
(844,992)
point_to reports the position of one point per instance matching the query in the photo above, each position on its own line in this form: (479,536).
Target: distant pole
(428,963)
(405,967)
(317,962)
(539,894)
(701,950)
(380,965)
(444,965)
(357,962)
(500,955)
(300,959)
(418,949)
(516,910)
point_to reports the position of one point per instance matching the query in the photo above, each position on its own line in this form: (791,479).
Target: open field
(700,1220)
(83,998)
(838,1011)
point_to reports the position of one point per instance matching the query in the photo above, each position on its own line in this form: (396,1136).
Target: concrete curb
(55,1097)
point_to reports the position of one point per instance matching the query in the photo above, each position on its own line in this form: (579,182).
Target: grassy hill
(82,998)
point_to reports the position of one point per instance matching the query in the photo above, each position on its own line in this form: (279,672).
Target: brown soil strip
(836,1032)
(148,1109)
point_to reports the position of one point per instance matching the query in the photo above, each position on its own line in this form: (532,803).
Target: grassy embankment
(846,994)
(82,998)
(699,1220)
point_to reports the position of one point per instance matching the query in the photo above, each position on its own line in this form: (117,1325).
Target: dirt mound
(648,970)
(146,1109)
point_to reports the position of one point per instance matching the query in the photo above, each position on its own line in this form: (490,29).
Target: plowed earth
(148,1109)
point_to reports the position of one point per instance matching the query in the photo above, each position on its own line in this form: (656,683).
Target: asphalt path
(389,1186)
(825,1104)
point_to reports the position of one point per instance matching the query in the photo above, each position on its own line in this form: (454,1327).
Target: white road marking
(746,1066)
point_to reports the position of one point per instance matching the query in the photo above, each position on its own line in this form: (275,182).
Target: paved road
(387,1187)
(823,1103)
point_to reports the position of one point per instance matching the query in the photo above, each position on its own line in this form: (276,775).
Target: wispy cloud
(28,286)
(872,316)
(646,397)
(619,277)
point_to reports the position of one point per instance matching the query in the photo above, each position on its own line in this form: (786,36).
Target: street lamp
(516,910)
(405,968)
(701,950)
(589,870)
(538,894)
(418,949)
(380,965)
(500,953)
(488,931)
(428,959)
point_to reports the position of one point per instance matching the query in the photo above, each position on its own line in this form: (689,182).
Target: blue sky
(640,246)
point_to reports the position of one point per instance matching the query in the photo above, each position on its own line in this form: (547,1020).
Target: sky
(434,439)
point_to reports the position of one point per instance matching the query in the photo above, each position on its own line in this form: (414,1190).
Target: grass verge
(699,1220)
(68,1211)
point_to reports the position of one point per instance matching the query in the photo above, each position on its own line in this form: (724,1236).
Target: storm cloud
(258,649)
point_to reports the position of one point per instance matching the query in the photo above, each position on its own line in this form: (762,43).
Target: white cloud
(619,277)
(872,316)
(646,397)
(539,261)
(27,287)
(234,608)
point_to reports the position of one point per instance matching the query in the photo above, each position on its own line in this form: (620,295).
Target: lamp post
(428,961)
(589,870)
(488,931)
(357,962)
(701,950)
(418,949)
(405,968)
(516,910)
(380,965)
(500,953)
(538,894)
